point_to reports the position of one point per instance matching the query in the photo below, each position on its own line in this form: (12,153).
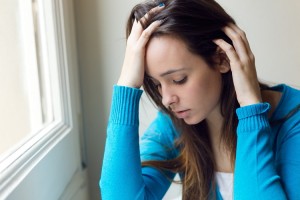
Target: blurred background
(94,34)
(272,28)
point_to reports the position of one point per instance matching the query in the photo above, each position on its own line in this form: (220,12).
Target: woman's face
(188,86)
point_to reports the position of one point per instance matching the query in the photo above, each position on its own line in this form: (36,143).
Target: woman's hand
(242,65)
(133,69)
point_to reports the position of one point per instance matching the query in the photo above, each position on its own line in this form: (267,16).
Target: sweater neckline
(279,88)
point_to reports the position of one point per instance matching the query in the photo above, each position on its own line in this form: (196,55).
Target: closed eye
(181,81)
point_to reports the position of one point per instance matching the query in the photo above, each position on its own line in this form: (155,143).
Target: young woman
(226,134)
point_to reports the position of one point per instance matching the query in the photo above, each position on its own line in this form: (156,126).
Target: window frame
(18,162)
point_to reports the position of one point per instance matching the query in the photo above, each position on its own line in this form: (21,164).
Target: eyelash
(180,82)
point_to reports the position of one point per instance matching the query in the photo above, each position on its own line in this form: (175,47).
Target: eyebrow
(171,72)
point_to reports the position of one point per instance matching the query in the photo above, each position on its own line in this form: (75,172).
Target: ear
(222,61)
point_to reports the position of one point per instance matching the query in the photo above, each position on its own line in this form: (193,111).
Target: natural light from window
(23,110)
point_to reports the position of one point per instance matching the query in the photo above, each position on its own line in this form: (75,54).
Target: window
(21,103)
(39,112)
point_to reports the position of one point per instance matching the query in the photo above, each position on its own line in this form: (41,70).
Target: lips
(182,113)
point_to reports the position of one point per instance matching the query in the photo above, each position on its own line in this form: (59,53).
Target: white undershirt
(225,184)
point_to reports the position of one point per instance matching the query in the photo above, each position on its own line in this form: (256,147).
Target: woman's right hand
(132,74)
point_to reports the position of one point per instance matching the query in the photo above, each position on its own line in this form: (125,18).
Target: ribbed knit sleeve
(255,175)
(253,117)
(122,176)
(125,105)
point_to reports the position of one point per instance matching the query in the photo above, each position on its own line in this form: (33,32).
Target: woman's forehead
(165,52)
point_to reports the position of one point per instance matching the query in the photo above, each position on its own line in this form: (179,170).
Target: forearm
(255,176)
(121,176)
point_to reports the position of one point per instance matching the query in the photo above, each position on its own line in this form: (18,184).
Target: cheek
(207,88)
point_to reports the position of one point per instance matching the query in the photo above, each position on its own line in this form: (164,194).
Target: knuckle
(142,21)
(237,37)
(239,63)
(146,34)
(246,60)
(252,57)
(242,33)
(154,10)
(229,48)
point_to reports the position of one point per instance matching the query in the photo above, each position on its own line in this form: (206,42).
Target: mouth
(182,113)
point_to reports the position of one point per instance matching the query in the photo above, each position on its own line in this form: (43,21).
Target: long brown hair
(197,23)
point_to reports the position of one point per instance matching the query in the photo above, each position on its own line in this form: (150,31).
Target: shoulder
(157,142)
(289,94)
(286,116)
(162,126)
(287,99)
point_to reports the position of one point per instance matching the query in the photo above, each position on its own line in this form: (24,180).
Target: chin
(192,121)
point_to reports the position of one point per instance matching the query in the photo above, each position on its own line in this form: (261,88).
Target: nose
(169,97)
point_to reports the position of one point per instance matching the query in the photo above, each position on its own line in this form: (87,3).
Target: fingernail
(216,41)
(161,4)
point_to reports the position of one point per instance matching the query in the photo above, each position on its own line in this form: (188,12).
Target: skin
(199,96)
(240,56)
(188,86)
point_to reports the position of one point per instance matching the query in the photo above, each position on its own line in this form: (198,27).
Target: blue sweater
(267,157)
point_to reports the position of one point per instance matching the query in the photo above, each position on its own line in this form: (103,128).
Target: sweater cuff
(253,117)
(125,105)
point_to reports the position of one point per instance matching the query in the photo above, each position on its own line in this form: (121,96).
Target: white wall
(272,28)
(100,28)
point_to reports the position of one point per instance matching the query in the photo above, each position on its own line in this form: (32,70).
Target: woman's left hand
(242,65)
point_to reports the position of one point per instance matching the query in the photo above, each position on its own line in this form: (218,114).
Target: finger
(153,11)
(237,30)
(241,46)
(147,33)
(242,34)
(136,30)
(230,52)
(137,27)
(237,41)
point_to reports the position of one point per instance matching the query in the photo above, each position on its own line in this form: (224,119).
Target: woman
(226,134)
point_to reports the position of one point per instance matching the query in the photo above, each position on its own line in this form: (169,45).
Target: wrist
(126,83)
(248,100)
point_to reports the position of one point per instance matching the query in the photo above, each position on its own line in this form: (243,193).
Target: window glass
(21,112)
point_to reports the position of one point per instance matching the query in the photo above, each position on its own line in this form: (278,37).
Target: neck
(221,155)
(214,123)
